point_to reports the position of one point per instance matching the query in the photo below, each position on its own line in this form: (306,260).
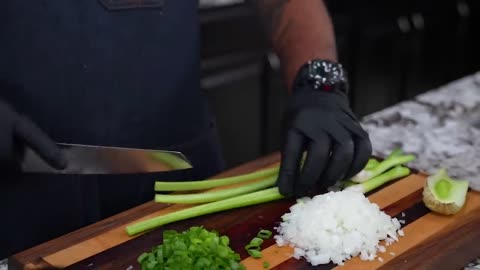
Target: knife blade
(93,159)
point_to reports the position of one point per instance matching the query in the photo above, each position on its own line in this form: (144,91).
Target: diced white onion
(396,222)
(335,227)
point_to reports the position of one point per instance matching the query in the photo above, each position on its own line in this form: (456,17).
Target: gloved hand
(16,131)
(321,124)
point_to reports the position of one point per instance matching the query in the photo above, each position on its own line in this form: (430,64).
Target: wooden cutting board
(431,241)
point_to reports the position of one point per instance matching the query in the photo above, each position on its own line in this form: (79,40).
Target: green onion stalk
(258,197)
(373,183)
(208,184)
(216,195)
(394,159)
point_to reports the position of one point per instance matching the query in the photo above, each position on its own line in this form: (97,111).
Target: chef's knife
(90,159)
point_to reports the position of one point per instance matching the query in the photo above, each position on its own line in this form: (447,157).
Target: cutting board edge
(446,239)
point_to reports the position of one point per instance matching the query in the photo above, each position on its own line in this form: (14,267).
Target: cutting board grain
(431,241)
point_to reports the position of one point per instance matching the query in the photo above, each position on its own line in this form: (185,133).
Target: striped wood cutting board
(431,241)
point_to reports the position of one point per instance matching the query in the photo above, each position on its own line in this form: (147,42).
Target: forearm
(299,30)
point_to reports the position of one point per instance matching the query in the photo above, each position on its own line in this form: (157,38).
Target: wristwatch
(322,75)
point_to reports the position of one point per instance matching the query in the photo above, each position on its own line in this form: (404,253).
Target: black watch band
(322,75)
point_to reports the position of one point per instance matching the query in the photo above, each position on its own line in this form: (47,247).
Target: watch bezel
(323,75)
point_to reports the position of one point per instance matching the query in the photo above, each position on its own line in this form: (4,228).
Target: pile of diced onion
(337,226)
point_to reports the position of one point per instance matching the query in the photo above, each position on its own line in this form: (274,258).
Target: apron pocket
(132,4)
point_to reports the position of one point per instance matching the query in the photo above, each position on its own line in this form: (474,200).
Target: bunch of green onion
(375,174)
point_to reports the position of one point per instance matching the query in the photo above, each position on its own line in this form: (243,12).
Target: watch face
(322,75)
(325,75)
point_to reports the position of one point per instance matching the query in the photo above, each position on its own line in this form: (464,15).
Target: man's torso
(89,74)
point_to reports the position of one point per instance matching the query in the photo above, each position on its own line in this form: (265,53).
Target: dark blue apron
(102,72)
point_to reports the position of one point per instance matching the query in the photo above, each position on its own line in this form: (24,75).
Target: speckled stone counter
(441,127)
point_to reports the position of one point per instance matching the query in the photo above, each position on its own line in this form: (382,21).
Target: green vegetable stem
(207,184)
(380,180)
(394,159)
(253,198)
(215,195)
(372,163)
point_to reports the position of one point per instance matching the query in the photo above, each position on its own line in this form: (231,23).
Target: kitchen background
(392,50)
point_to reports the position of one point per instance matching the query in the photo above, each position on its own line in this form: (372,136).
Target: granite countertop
(441,127)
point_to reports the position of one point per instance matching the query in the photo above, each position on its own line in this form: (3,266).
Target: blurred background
(392,50)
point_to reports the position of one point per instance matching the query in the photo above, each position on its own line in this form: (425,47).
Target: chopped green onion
(215,195)
(142,257)
(225,240)
(207,184)
(250,246)
(255,253)
(258,197)
(256,241)
(253,248)
(264,234)
(178,251)
(266,264)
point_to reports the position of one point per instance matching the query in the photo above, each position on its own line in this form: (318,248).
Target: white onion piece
(335,227)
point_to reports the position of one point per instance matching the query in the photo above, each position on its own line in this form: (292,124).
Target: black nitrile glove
(321,124)
(16,131)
